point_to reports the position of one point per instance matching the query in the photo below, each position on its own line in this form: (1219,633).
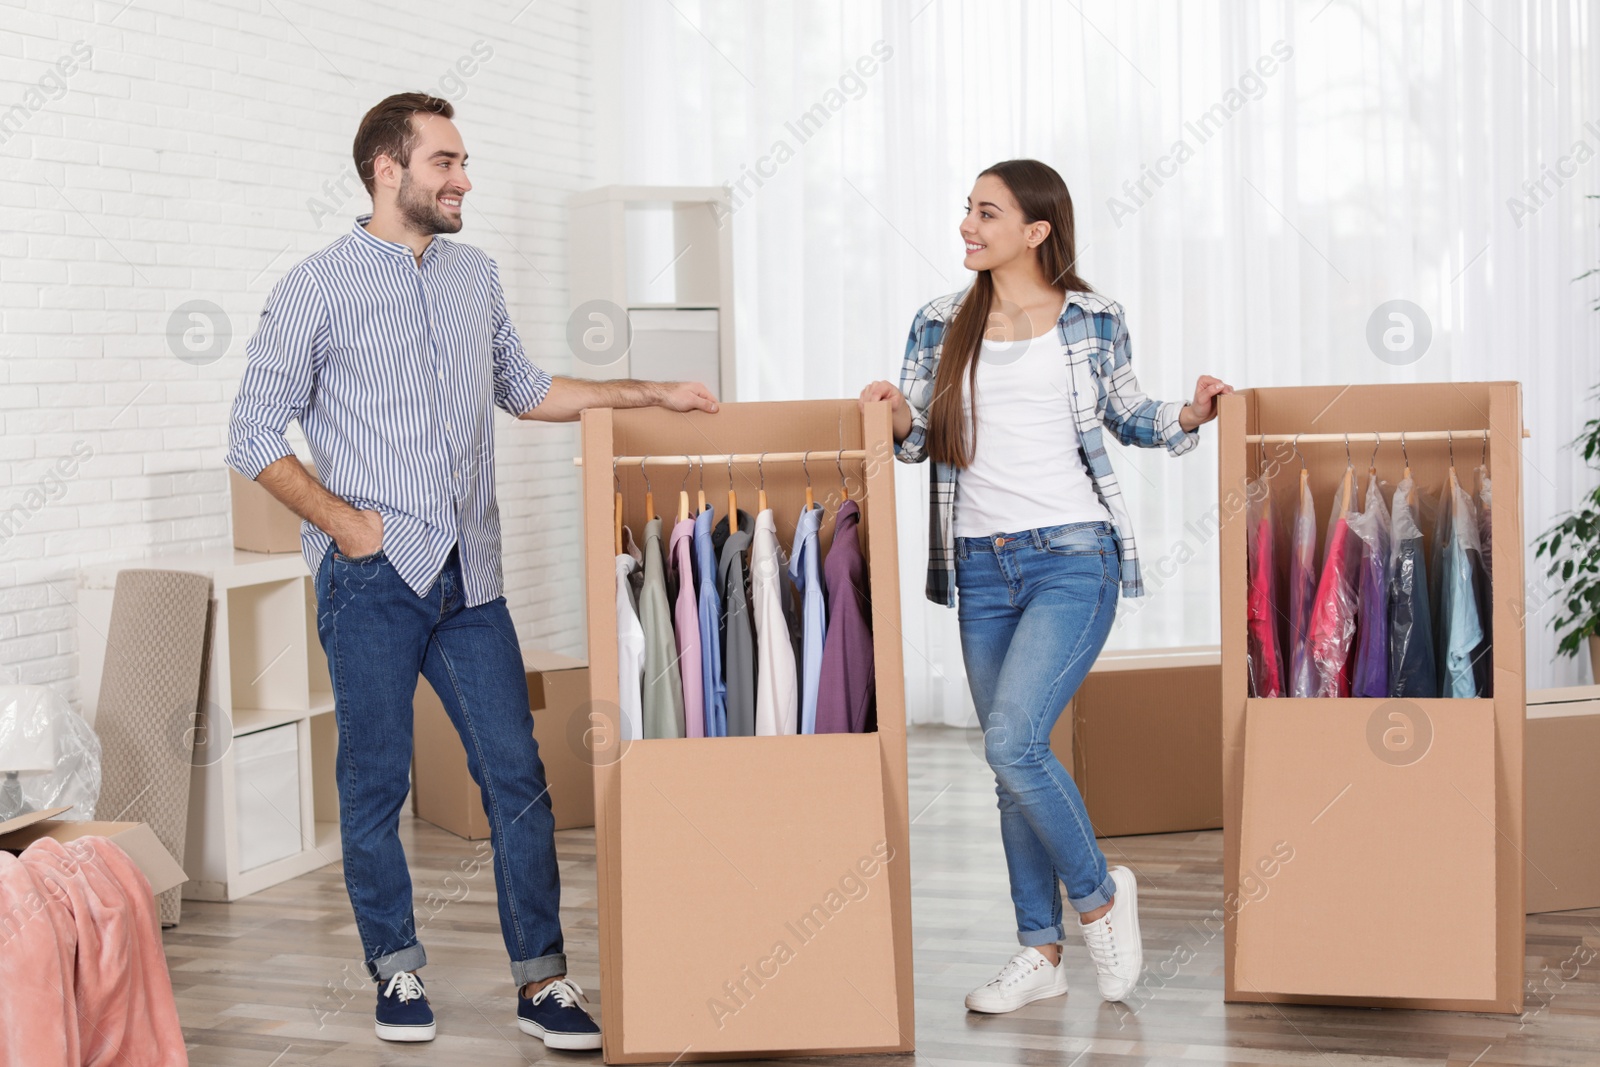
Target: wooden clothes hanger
(733,502)
(844,483)
(811,501)
(683,492)
(761,485)
(702,496)
(649,496)
(618,505)
(1347,483)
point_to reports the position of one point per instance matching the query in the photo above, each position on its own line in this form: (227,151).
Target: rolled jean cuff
(1035,938)
(1099,898)
(407,959)
(539,968)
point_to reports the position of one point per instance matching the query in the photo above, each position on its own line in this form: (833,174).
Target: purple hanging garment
(1372,527)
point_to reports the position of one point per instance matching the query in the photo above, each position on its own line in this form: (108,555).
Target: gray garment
(663,687)
(738,632)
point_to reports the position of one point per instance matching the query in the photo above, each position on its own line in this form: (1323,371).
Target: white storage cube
(267,790)
(676,345)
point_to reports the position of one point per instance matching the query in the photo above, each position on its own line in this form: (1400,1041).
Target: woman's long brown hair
(1042,196)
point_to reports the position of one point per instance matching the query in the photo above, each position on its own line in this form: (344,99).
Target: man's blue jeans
(378,635)
(1035,607)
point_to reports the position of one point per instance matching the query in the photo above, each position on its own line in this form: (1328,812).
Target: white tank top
(1026,470)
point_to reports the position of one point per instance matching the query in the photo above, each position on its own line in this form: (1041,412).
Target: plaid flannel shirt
(1094,342)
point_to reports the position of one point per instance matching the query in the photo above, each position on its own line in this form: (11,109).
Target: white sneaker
(1027,978)
(1113,939)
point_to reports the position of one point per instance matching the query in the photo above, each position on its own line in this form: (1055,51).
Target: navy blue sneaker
(403,1011)
(553,1015)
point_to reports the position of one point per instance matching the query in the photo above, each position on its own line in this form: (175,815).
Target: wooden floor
(275,979)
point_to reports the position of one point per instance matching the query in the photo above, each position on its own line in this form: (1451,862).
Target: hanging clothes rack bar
(1362,437)
(742,457)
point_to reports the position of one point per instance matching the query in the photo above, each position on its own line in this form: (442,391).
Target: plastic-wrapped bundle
(1302,590)
(1333,614)
(54,752)
(1265,650)
(1372,527)
(1460,642)
(1411,660)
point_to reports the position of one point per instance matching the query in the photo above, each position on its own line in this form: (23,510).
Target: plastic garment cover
(1371,527)
(55,755)
(1333,613)
(1459,638)
(1411,663)
(1265,650)
(1302,590)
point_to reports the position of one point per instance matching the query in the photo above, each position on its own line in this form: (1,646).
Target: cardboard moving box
(134,838)
(1563,750)
(754,892)
(260,523)
(443,791)
(1143,736)
(1423,797)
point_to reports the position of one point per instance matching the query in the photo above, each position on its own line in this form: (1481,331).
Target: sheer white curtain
(1252,180)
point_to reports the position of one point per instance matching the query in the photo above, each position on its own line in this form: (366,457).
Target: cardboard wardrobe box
(444,793)
(260,522)
(754,892)
(1143,736)
(1419,800)
(1563,847)
(134,838)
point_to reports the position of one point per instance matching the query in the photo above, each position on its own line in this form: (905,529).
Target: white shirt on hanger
(777,702)
(1026,469)
(630,653)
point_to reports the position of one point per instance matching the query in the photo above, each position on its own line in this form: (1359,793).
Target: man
(391,347)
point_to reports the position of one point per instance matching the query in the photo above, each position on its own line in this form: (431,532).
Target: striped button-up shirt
(1094,342)
(393,369)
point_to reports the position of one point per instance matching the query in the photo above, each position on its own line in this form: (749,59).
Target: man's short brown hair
(386,130)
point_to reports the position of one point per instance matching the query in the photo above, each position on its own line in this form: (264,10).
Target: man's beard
(422,212)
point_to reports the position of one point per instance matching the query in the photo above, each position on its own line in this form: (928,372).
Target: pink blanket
(83,979)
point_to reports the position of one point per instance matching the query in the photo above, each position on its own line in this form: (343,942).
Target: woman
(1030,526)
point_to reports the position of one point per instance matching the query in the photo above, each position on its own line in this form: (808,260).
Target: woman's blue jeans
(379,635)
(1035,607)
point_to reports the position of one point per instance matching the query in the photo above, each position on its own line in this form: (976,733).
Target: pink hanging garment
(1333,614)
(1265,651)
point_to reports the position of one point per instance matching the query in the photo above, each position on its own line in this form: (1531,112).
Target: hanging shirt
(1411,652)
(737,626)
(1460,630)
(777,702)
(805,571)
(1026,470)
(630,652)
(847,695)
(709,604)
(686,624)
(662,704)
(1372,527)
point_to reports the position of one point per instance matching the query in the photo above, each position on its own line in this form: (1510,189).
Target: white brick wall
(199,151)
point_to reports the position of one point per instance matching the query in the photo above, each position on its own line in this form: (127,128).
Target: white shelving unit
(267,670)
(664,255)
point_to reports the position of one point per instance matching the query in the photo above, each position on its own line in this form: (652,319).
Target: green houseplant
(1573,546)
